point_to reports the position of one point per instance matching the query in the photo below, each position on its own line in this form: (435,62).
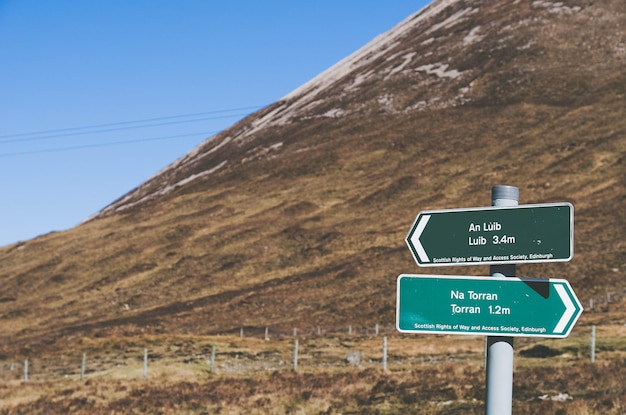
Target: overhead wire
(103,144)
(108,130)
(101,128)
(96,126)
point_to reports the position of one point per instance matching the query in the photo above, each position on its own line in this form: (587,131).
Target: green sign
(493,235)
(486,306)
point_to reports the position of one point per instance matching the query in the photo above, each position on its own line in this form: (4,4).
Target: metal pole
(593,343)
(295,355)
(499,381)
(385,353)
(212,359)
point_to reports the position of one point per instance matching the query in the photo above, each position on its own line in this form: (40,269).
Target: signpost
(486,306)
(501,306)
(493,235)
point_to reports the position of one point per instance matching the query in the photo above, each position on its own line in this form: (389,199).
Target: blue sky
(98,96)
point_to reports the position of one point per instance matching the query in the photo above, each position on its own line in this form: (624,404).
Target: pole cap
(505,192)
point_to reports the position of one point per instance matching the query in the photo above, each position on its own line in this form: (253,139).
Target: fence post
(82,366)
(267,334)
(212,359)
(25,370)
(593,343)
(145,364)
(241,332)
(295,355)
(377,329)
(385,353)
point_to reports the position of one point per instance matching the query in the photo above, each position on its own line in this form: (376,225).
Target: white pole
(593,343)
(385,353)
(267,334)
(212,359)
(82,366)
(499,379)
(26,370)
(145,363)
(295,355)
(377,330)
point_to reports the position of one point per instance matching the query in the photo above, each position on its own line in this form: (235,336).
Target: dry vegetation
(426,375)
(303,226)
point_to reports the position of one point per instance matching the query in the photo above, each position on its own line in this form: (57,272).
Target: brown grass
(426,375)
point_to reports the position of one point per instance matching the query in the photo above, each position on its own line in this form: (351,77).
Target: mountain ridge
(296,215)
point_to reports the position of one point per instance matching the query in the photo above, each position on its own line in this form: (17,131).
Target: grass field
(336,373)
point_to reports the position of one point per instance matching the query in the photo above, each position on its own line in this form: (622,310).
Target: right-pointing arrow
(486,305)
(415,238)
(569,308)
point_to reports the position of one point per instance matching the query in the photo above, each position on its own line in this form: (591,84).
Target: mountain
(296,216)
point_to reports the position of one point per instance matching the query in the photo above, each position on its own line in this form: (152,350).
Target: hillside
(296,216)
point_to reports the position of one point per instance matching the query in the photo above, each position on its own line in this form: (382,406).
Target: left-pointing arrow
(493,235)
(415,238)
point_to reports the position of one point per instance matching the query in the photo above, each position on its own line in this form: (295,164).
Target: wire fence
(610,297)
(251,350)
(246,350)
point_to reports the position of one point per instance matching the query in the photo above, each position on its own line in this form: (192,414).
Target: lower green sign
(486,306)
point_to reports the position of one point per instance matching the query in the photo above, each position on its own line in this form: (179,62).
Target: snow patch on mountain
(407,59)
(472,36)
(439,69)
(453,20)
(121,205)
(556,7)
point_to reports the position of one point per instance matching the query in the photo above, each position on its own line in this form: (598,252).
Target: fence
(253,350)
(245,351)
(610,297)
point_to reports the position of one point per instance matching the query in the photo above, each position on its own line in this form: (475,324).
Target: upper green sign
(486,305)
(493,235)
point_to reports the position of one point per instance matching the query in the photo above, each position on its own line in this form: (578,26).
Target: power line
(103,144)
(108,130)
(115,126)
(144,120)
